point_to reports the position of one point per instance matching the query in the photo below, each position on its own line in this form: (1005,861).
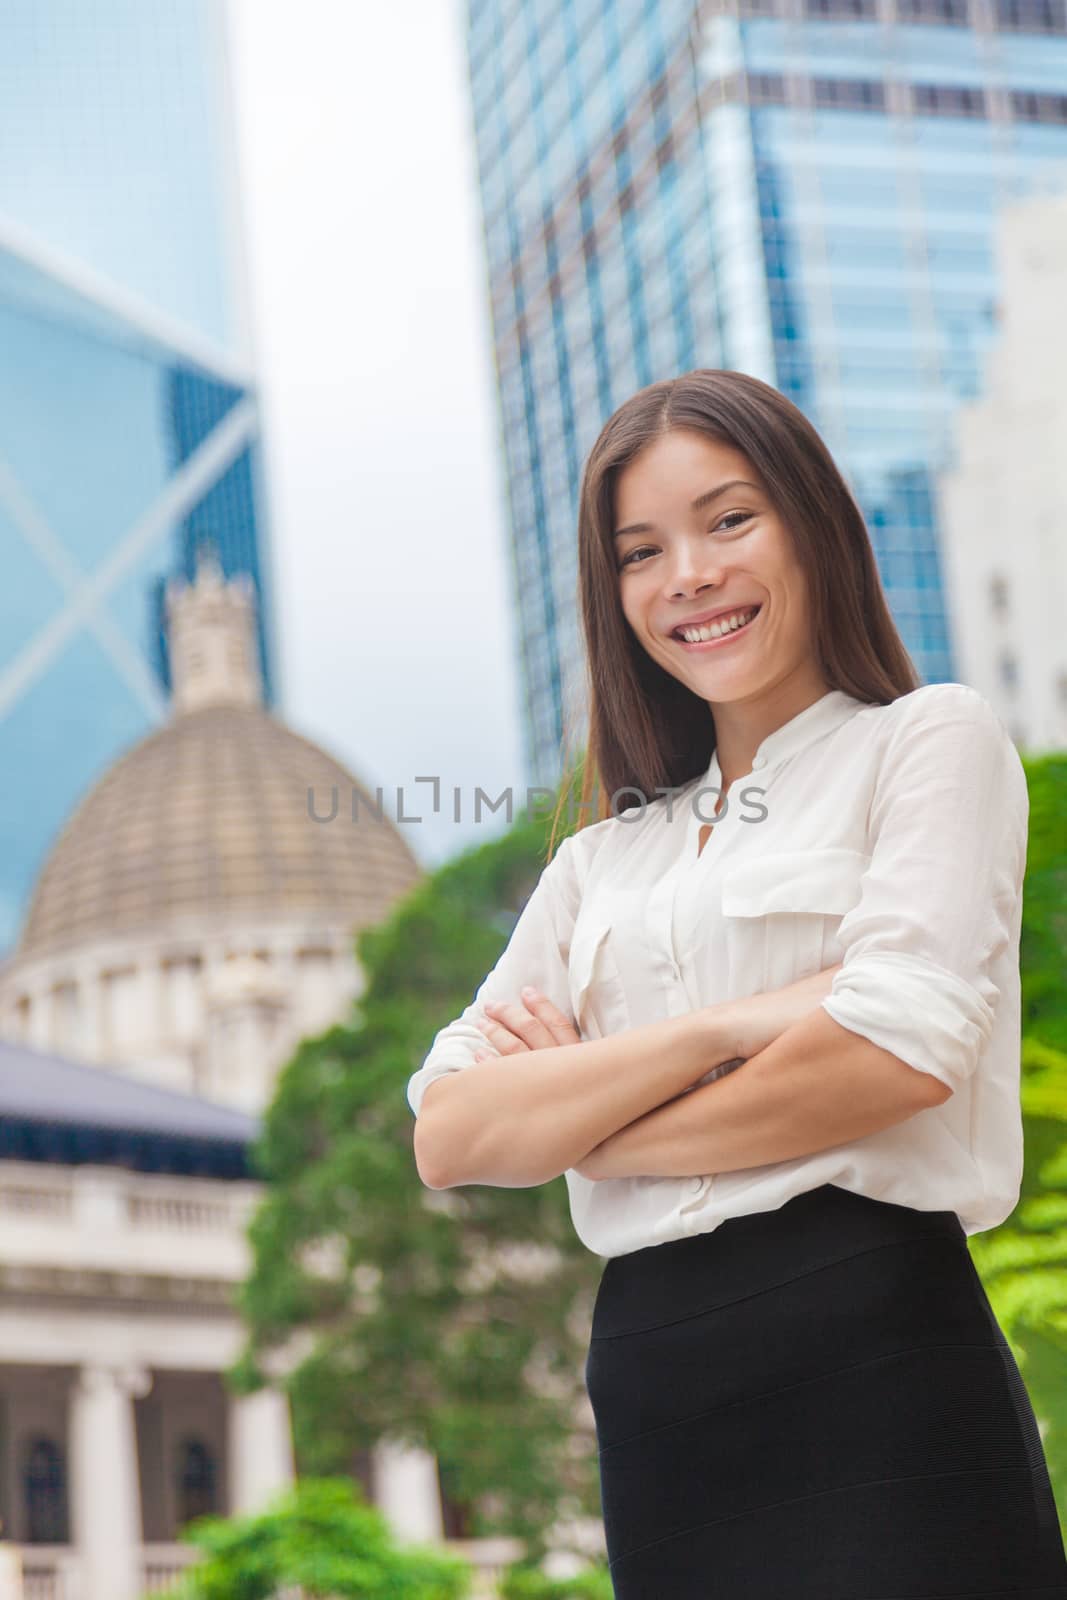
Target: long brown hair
(646,729)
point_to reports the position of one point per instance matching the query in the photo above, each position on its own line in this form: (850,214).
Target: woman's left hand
(531,1023)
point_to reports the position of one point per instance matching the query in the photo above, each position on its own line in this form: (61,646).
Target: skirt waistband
(746,1255)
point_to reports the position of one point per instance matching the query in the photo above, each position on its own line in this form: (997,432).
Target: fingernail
(529,993)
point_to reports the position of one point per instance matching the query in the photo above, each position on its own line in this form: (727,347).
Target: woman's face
(713,543)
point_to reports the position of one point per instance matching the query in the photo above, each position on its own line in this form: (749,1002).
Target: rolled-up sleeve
(934,923)
(537,953)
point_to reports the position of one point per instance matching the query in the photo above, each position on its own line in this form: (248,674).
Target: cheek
(633,608)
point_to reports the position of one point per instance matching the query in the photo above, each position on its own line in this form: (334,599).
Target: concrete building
(122,1214)
(195,919)
(1003,501)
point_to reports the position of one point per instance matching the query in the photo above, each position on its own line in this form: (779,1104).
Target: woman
(791,1086)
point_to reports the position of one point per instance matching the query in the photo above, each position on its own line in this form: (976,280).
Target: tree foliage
(458,1319)
(1023,1262)
(322,1539)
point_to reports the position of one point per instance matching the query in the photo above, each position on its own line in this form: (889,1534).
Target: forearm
(521,1120)
(817,1085)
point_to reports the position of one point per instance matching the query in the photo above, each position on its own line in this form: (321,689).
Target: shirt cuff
(920,1012)
(453,1049)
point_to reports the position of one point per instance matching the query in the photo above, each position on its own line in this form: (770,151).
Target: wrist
(715,1034)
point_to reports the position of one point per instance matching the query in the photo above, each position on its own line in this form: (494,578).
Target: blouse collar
(821,717)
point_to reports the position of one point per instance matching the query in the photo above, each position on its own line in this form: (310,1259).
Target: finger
(500,1033)
(524,1023)
(560,1027)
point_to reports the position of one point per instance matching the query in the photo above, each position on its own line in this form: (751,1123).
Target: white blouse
(890,838)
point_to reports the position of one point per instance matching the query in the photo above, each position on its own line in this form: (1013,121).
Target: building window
(842,8)
(44,1490)
(196,1485)
(23,1013)
(65,1016)
(765,88)
(1032,16)
(1009,672)
(183,996)
(947,100)
(1028,106)
(939,11)
(119,1009)
(848,94)
(455,1513)
(362,1470)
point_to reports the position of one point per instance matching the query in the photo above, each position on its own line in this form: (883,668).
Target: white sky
(371,323)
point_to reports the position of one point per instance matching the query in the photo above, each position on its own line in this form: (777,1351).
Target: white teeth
(715,630)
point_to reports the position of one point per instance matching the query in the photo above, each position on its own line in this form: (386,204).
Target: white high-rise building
(1004,500)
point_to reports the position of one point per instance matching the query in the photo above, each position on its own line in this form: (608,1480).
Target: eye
(728,524)
(734,519)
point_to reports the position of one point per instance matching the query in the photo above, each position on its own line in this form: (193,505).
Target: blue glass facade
(129,422)
(801,189)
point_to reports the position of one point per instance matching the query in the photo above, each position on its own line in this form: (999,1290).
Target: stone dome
(209,818)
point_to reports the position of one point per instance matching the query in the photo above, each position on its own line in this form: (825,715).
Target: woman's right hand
(742,1028)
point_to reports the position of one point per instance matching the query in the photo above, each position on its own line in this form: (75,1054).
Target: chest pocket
(598,1002)
(781,914)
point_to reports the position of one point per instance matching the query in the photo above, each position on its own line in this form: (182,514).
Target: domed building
(195,919)
(197,915)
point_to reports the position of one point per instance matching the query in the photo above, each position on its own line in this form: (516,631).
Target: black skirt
(816,1403)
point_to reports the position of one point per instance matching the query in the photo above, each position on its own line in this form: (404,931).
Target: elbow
(429,1158)
(925,1089)
(453,1147)
(429,1176)
(916,1012)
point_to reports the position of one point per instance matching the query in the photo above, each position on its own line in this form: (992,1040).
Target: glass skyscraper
(129,420)
(800,189)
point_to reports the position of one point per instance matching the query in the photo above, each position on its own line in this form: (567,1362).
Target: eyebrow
(699,503)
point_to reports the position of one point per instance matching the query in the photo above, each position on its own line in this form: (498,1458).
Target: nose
(690,574)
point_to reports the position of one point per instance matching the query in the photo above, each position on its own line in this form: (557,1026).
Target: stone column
(260,1449)
(407,1492)
(105,1483)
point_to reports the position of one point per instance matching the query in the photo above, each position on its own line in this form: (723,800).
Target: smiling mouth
(719,639)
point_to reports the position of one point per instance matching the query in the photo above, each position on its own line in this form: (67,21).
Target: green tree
(322,1537)
(457,1320)
(1023,1262)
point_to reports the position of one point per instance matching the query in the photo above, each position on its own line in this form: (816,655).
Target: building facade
(196,916)
(801,189)
(123,1210)
(1003,497)
(195,919)
(129,415)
